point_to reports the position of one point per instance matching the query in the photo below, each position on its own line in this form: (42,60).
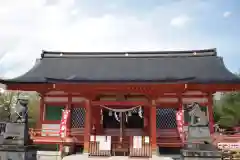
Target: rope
(120,110)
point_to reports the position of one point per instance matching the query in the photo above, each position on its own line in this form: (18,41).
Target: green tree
(33,109)
(230,110)
(227,110)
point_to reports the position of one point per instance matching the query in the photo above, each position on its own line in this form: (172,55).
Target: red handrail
(48,131)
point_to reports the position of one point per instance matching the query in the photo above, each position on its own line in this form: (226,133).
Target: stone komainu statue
(198,117)
(198,129)
(15,129)
(199,144)
(19,112)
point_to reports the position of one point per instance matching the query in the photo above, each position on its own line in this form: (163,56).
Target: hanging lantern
(129,113)
(110,113)
(116,116)
(126,117)
(101,122)
(140,112)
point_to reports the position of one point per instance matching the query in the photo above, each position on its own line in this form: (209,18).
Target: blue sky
(28,27)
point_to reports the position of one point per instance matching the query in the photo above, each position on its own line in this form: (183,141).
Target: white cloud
(227,14)
(180,21)
(28,27)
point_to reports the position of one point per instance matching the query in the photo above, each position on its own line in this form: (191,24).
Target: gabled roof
(196,66)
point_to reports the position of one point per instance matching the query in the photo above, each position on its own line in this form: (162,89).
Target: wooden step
(169,140)
(168,134)
(170,144)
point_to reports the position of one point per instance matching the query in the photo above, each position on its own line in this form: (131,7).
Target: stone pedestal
(13,152)
(200,151)
(14,141)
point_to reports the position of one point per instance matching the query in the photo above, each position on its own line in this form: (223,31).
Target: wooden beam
(147,87)
(97,88)
(183,96)
(213,87)
(41,88)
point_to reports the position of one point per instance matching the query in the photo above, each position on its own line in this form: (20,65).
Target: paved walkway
(85,157)
(49,155)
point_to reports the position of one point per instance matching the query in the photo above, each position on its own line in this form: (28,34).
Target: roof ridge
(182,53)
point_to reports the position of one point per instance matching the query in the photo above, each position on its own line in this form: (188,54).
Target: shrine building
(122,101)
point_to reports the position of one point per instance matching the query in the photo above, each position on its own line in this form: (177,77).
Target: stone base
(155,152)
(200,154)
(18,152)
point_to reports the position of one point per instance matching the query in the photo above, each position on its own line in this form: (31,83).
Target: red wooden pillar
(153,126)
(210,113)
(180,102)
(97,118)
(87,126)
(146,119)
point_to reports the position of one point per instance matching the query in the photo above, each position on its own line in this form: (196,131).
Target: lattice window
(78,117)
(53,113)
(166,118)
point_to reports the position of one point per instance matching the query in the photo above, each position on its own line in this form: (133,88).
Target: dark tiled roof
(202,66)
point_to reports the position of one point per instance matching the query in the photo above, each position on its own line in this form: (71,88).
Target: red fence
(125,148)
(94,150)
(144,151)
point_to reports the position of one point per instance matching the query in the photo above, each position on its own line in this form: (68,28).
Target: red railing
(144,151)
(125,147)
(74,135)
(94,150)
(54,132)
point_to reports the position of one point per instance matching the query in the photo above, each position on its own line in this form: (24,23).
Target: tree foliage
(230,110)
(227,110)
